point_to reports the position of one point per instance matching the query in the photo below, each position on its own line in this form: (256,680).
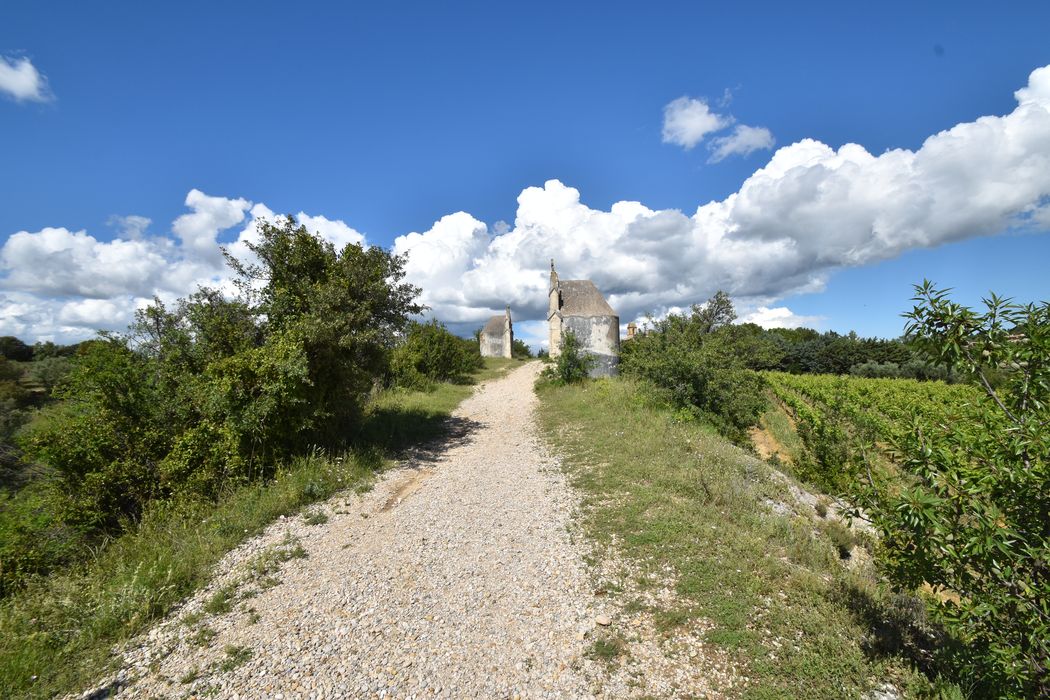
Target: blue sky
(388,117)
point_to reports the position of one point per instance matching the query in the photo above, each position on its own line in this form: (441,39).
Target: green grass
(404,417)
(221,601)
(671,495)
(56,634)
(607,649)
(778,424)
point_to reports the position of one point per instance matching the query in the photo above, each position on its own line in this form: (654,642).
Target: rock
(603,620)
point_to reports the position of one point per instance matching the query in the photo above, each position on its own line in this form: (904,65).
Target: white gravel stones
(454,577)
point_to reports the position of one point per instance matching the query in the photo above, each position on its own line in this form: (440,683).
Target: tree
(216,391)
(12,348)
(519,350)
(701,362)
(716,313)
(973,519)
(431,353)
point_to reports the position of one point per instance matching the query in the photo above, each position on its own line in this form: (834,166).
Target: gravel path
(454,577)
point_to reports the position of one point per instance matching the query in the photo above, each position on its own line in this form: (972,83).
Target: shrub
(572,364)
(429,352)
(519,350)
(698,361)
(971,522)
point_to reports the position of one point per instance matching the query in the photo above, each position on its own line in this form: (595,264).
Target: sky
(814,161)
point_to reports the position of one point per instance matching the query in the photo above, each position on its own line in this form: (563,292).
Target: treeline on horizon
(809,351)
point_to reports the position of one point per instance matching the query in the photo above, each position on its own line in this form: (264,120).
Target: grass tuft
(607,649)
(235,656)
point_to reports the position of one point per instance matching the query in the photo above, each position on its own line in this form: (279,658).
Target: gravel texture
(455,576)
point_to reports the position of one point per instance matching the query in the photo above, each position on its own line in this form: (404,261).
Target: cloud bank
(20,80)
(65,285)
(810,210)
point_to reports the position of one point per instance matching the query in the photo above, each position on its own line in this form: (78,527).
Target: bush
(699,362)
(519,350)
(216,392)
(971,522)
(572,364)
(429,353)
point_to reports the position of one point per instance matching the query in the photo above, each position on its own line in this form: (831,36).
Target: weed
(841,536)
(607,649)
(315,517)
(221,601)
(235,656)
(191,619)
(203,636)
(821,507)
(190,676)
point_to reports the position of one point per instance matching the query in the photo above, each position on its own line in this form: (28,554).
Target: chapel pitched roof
(582,298)
(495,325)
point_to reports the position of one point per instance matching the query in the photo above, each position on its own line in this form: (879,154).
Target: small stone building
(497,337)
(577,307)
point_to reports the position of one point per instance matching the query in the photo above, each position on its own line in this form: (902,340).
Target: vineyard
(848,422)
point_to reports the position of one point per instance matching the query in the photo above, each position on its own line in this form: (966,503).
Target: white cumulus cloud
(688,120)
(131,227)
(20,79)
(779,317)
(57,284)
(810,210)
(743,141)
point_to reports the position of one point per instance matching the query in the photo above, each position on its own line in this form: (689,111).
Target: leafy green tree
(49,371)
(215,391)
(519,350)
(12,348)
(716,313)
(973,519)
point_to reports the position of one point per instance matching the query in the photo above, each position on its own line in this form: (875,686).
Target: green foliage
(572,364)
(972,520)
(914,368)
(46,349)
(519,350)
(11,348)
(214,392)
(49,371)
(675,505)
(33,536)
(430,353)
(699,361)
(842,420)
